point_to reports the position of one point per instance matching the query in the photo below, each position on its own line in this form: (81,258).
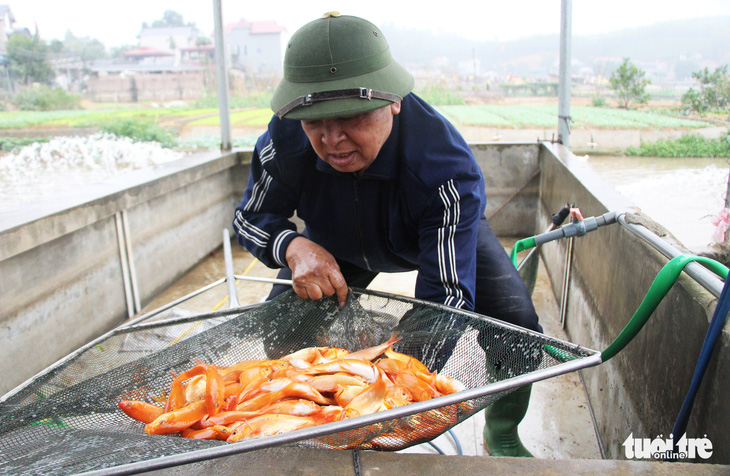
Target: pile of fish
(309,387)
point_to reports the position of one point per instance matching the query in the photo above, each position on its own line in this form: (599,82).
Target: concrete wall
(150,87)
(511,176)
(165,86)
(63,274)
(641,390)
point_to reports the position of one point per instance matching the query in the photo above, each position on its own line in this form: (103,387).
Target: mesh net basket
(67,420)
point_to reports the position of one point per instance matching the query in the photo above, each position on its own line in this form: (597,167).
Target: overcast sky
(117,23)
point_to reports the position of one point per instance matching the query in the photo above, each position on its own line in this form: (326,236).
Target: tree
(116,51)
(29,59)
(629,83)
(693,101)
(169,18)
(86,49)
(714,92)
(55,47)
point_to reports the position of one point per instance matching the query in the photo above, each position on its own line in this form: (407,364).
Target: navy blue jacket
(415,207)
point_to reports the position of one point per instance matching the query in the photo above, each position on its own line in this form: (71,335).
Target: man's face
(351,144)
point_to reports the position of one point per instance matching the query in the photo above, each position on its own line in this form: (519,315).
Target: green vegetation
(439,95)
(689,145)
(28,59)
(142,130)
(151,123)
(214,142)
(513,116)
(549,89)
(249,118)
(526,116)
(495,116)
(255,99)
(43,98)
(626,119)
(256,117)
(85,49)
(629,83)
(169,18)
(714,92)
(9,143)
(92,117)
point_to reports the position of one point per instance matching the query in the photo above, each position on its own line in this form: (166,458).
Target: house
(6,26)
(201,54)
(146,55)
(255,47)
(168,65)
(170,39)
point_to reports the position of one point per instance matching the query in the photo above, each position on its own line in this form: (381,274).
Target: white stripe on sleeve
(446,245)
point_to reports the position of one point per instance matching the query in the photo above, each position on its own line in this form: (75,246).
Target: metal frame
(349,424)
(593,359)
(699,273)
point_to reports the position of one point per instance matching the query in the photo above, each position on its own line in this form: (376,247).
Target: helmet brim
(393,78)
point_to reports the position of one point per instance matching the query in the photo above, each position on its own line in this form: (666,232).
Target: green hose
(522,245)
(663,282)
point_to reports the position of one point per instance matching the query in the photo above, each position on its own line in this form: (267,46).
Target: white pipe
(230,278)
(222,73)
(130,260)
(128,293)
(265,280)
(172,304)
(566,21)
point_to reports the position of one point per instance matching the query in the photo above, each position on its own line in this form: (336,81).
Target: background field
(504,116)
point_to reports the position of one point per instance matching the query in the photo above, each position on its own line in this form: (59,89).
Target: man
(383,183)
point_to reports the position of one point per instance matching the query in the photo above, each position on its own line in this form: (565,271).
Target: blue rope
(713,334)
(436,447)
(456,442)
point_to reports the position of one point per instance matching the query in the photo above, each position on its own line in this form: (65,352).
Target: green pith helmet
(338,66)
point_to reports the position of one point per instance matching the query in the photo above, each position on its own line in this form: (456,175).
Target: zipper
(359,222)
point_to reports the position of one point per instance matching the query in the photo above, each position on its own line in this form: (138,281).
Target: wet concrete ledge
(299,461)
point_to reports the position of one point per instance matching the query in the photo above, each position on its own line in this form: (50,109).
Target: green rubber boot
(502,417)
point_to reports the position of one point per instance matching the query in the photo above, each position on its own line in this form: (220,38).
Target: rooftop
(255,27)
(146,51)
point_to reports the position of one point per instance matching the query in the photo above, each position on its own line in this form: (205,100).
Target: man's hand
(315,272)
